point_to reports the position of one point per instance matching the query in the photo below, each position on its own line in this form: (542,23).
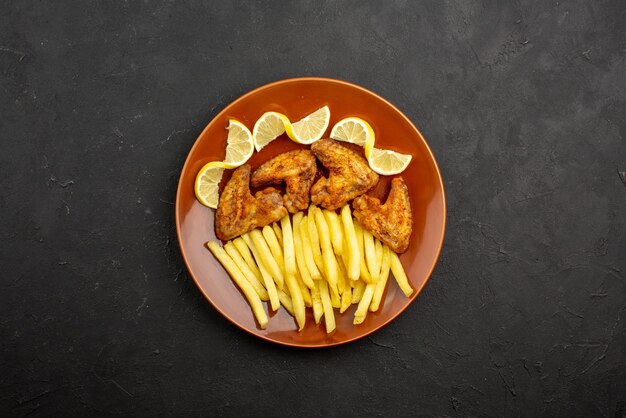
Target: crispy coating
(349,175)
(391,222)
(297,169)
(239,212)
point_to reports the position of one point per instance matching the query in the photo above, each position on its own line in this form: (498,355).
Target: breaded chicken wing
(297,169)
(349,175)
(239,212)
(391,222)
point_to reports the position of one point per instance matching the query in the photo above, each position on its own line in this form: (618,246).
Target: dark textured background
(523,104)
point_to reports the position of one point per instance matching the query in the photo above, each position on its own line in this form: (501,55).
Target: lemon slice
(207,183)
(387,163)
(269,127)
(310,128)
(355,131)
(240,144)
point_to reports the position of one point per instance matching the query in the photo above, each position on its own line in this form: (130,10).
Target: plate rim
(309,79)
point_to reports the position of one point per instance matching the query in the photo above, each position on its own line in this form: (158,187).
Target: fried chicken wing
(239,212)
(349,175)
(297,169)
(390,222)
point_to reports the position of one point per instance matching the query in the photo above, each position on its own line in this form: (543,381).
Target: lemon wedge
(240,144)
(269,127)
(387,162)
(355,131)
(310,128)
(207,183)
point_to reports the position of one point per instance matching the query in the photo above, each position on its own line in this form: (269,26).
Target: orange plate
(296,98)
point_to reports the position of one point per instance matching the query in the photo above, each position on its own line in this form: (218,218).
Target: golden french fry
(267,277)
(315,240)
(346,299)
(336,233)
(307,249)
(370,255)
(318,309)
(290,273)
(300,258)
(231,250)
(346,292)
(242,283)
(276,248)
(266,256)
(400,275)
(357,291)
(285,302)
(353,264)
(365,274)
(341,276)
(364,303)
(382,281)
(244,251)
(379,255)
(306,293)
(328,256)
(329,315)
(335,299)
(278,232)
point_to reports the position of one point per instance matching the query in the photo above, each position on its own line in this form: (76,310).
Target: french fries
(364,304)
(370,255)
(315,240)
(240,280)
(267,278)
(307,248)
(364,272)
(354,257)
(266,257)
(328,256)
(329,315)
(298,246)
(317,259)
(382,280)
(247,272)
(275,246)
(336,233)
(290,273)
(278,232)
(398,272)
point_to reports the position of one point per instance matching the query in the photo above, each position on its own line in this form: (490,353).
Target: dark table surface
(523,104)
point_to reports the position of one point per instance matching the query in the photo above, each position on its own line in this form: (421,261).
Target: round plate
(297,98)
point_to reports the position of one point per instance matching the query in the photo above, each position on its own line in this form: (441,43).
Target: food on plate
(353,265)
(310,128)
(357,131)
(305,131)
(391,222)
(239,212)
(270,285)
(268,127)
(240,144)
(290,273)
(382,280)
(241,281)
(278,271)
(290,253)
(349,175)
(296,169)
(387,162)
(207,183)
(400,275)
(239,149)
